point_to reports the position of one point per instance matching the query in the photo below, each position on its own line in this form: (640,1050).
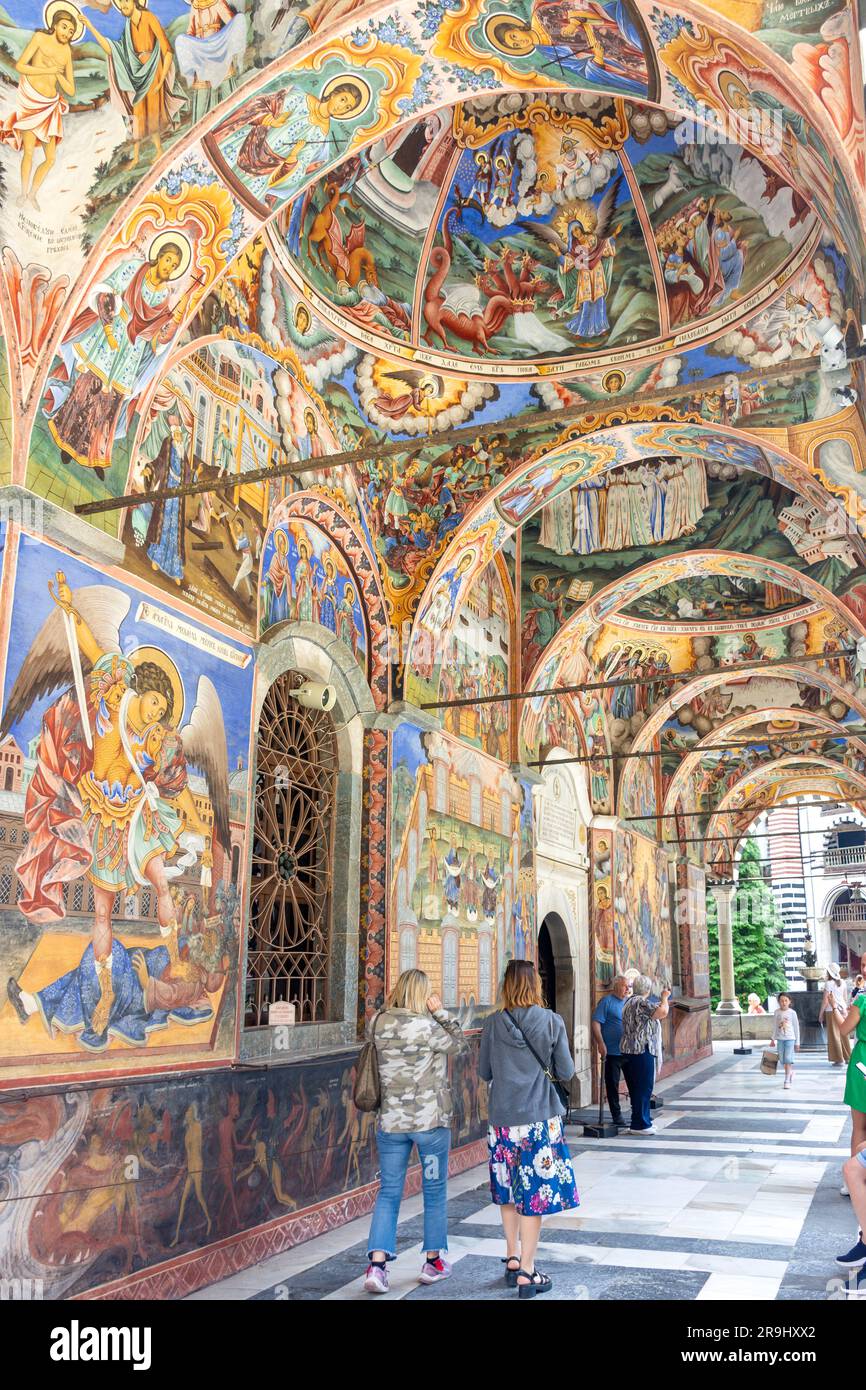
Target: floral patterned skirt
(531,1168)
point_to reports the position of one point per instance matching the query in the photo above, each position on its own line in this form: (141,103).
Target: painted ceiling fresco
(243,237)
(550,231)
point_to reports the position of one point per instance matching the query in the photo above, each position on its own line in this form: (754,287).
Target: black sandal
(511,1274)
(541,1283)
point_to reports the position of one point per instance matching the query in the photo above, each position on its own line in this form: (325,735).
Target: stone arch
(801,675)
(740,724)
(314,652)
(573,460)
(728,825)
(408,66)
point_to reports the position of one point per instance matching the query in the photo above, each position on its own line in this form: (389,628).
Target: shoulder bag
(367,1093)
(559,1087)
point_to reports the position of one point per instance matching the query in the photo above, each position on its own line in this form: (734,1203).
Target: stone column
(724,896)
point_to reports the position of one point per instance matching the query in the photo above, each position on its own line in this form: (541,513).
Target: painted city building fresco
(475,663)
(462,867)
(222,412)
(126,734)
(217,1155)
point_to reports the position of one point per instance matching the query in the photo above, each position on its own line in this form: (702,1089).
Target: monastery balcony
(839,860)
(849,915)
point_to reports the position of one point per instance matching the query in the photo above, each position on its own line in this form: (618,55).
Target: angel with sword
(110,801)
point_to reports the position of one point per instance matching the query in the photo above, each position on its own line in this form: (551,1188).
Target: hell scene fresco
(397,401)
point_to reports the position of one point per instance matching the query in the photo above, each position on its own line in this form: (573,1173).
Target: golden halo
(613,382)
(310,420)
(299,309)
(175,239)
(579,210)
(726,80)
(165,663)
(360,86)
(783,726)
(280,534)
(514,22)
(50,11)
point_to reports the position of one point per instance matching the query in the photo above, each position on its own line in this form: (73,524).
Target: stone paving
(735,1198)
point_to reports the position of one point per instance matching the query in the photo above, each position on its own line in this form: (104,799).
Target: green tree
(756,929)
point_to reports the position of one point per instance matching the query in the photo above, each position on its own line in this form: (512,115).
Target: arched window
(441,787)
(449,969)
(291,873)
(484,968)
(412,856)
(408,949)
(7,780)
(201,427)
(78,895)
(236,864)
(5,885)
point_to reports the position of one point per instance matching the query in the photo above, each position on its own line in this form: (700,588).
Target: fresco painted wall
(462,900)
(106,145)
(125,796)
(641,907)
(307,579)
(602,911)
(109,1182)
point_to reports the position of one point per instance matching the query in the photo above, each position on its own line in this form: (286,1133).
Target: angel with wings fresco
(586,247)
(110,802)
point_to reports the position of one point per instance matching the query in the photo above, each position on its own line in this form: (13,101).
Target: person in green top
(854,1169)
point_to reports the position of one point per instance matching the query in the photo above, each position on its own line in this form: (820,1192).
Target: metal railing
(849,914)
(853,855)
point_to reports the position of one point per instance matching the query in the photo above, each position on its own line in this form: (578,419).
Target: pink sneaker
(434,1270)
(376,1280)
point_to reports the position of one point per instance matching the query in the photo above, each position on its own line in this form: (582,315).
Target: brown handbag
(367,1094)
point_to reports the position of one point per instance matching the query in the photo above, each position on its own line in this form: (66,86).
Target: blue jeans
(395,1150)
(639,1071)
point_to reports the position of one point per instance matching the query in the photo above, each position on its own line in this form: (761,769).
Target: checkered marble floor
(735,1198)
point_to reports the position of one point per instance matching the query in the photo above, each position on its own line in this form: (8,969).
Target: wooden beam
(458,435)
(675,677)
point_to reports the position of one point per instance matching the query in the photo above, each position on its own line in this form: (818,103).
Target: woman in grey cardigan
(531,1172)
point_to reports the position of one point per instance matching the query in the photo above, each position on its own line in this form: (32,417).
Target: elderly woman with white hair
(639,1049)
